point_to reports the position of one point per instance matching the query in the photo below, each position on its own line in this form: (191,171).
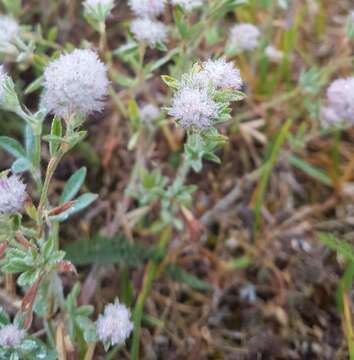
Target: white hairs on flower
(244,37)
(11,336)
(147,8)
(114,325)
(12,194)
(9,29)
(149,31)
(194,108)
(75,83)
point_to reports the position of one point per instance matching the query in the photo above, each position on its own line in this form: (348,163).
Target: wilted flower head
(75,83)
(340,99)
(149,31)
(274,54)
(114,325)
(150,8)
(188,5)
(98,9)
(149,112)
(12,194)
(194,108)
(244,37)
(9,29)
(11,336)
(222,74)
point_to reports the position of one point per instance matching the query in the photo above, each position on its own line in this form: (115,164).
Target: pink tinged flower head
(188,5)
(75,83)
(340,97)
(12,194)
(9,29)
(114,325)
(222,74)
(149,112)
(147,8)
(11,336)
(194,108)
(244,36)
(149,31)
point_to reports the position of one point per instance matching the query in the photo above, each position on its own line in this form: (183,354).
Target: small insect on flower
(114,325)
(188,5)
(149,112)
(194,108)
(147,8)
(340,98)
(9,29)
(11,336)
(75,83)
(12,194)
(244,37)
(149,31)
(222,74)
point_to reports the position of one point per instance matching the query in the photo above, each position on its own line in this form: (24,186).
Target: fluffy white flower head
(222,74)
(244,37)
(149,31)
(12,194)
(194,108)
(274,54)
(149,8)
(188,5)
(9,29)
(75,83)
(114,325)
(11,336)
(340,97)
(149,112)
(98,9)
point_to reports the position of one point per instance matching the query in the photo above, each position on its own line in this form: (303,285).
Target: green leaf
(12,146)
(73,185)
(34,85)
(181,276)
(56,131)
(134,115)
(310,170)
(341,247)
(102,250)
(81,203)
(21,165)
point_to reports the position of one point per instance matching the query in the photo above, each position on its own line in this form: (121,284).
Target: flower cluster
(196,103)
(188,5)
(149,31)
(244,37)
(12,194)
(75,83)
(9,29)
(114,325)
(274,54)
(149,113)
(145,27)
(11,336)
(340,102)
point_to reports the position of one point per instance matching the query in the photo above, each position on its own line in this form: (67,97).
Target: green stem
(53,164)
(148,281)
